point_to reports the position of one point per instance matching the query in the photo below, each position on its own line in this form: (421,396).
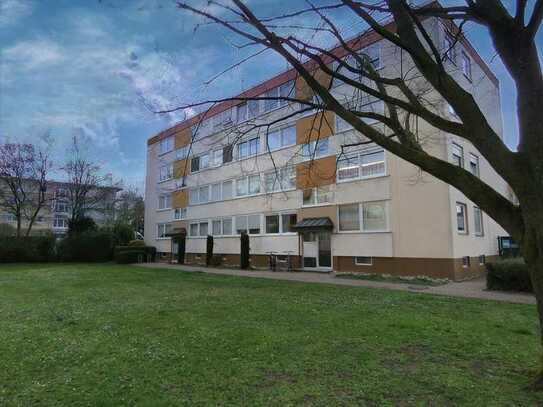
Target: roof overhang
(314,225)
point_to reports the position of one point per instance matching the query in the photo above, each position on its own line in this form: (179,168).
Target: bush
(146,250)
(508,275)
(130,256)
(90,246)
(81,225)
(27,249)
(7,230)
(136,243)
(209,249)
(216,260)
(244,250)
(122,234)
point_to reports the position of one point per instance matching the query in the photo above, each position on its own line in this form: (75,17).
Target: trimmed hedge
(90,246)
(124,254)
(27,249)
(508,275)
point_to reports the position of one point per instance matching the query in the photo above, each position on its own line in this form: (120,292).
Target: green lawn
(121,335)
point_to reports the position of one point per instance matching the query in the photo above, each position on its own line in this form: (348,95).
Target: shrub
(122,234)
(216,260)
(136,243)
(27,249)
(130,256)
(81,225)
(147,250)
(244,250)
(89,246)
(508,275)
(7,230)
(209,250)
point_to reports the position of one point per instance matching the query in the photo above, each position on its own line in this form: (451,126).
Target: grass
(113,335)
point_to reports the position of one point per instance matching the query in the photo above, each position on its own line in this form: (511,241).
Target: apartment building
(295,188)
(54,216)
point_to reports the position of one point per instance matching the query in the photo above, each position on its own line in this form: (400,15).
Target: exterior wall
(420,237)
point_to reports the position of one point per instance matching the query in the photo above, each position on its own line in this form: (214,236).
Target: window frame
(169,172)
(478,213)
(182,213)
(357,263)
(169,144)
(462,205)
(454,155)
(360,165)
(361,222)
(166,199)
(166,226)
(474,158)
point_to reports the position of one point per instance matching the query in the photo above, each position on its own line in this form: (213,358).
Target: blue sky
(93,68)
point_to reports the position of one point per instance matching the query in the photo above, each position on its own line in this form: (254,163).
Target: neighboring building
(372,212)
(55,214)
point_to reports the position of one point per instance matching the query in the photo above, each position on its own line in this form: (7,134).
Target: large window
(163,229)
(61,206)
(474,164)
(349,217)
(165,172)
(248,185)
(317,196)
(374,216)
(478,221)
(466,65)
(248,223)
(461,218)
(248,148)
(280,180)
(361,165)
(182,152)
(281,138)
(60,222)
(166,145)
(164,201)
(458,155)
(280,223)
(180,213)
(315,149)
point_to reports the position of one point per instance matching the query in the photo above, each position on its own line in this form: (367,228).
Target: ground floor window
(466,261)
(363,261)
(163,229)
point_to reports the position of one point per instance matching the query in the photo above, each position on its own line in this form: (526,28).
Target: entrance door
(317,250)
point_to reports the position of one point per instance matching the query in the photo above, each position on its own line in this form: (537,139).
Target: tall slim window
(227,190)
(241,186)
(216,192)
(461,218)
(466,65)
(478,221)
(272,224)
(474,164)
(458,155)
(195,164)
(227,153)
(349,217)
(203,194)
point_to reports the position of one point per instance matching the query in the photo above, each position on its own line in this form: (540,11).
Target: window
(286,90)
(281,138)
(216,192)
(203,228)
(216,228)
(195,164)
(166,172)
(204,161)
(248,148)
(363,261)
(61,206)
(227,190)
(182,152)
(241,224)
(254,184)
(164,201)
(315,149)
(227,226)
(227,154)
(61,193)
(193,230)
(203,194)
(60,222)
(241,112)
(180,213)
(270,104)
(482,259)
(163,229)
(466,65)
(361,165)
(282,179)
(370,54)
(342,125)
(166,145)
(272,224)
(222,119)
(448,48)
(458,155)
(216,158)
(374,216)
(287,222)
(241,186)
(474,164)
(317,196)
(461,218)
(193,196)
(466,261)
(478,221)
(253,108)
(253,222)
(349,218)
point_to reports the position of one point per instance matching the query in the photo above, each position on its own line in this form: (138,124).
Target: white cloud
(11,11)
(33,54)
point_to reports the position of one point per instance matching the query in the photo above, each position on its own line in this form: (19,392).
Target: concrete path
(466,289)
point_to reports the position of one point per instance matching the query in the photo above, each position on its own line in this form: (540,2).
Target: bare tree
(24,171)
(404,27)
(88,189)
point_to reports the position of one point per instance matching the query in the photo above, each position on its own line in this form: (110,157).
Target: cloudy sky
(96,69)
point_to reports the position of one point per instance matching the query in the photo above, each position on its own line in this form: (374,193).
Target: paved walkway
(466,289)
